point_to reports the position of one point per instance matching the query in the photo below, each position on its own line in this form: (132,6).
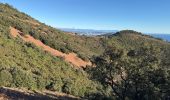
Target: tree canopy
(134,74)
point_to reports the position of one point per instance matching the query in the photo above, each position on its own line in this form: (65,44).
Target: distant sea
(165,37)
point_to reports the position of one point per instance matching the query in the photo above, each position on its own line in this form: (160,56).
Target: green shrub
(5,78)
(23,79)
(41,83)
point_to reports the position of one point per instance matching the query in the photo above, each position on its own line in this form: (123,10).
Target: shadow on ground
(12,94)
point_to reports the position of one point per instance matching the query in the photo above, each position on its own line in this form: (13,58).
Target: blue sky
(151,16)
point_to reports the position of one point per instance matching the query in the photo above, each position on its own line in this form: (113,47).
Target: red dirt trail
(71,57)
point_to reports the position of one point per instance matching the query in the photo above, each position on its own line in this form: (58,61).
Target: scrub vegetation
(127,65)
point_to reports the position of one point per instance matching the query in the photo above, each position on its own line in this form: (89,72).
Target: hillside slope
(71,57)
(130,40)
(84,46)
(27,49)
(23,64)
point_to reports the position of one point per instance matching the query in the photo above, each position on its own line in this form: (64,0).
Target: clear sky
(151,16)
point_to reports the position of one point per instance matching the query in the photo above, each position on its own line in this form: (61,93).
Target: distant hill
(90,32)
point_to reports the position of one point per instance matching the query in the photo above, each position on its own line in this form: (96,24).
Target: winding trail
(71,57)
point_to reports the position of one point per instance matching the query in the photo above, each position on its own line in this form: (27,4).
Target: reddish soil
(71,57)
(3,97)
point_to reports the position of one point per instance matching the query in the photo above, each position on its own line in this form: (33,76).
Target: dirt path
(71,57)
(7,93)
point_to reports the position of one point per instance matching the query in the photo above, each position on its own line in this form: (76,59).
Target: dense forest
(127,65)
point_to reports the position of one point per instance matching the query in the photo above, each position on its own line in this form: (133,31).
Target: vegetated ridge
(35,56)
